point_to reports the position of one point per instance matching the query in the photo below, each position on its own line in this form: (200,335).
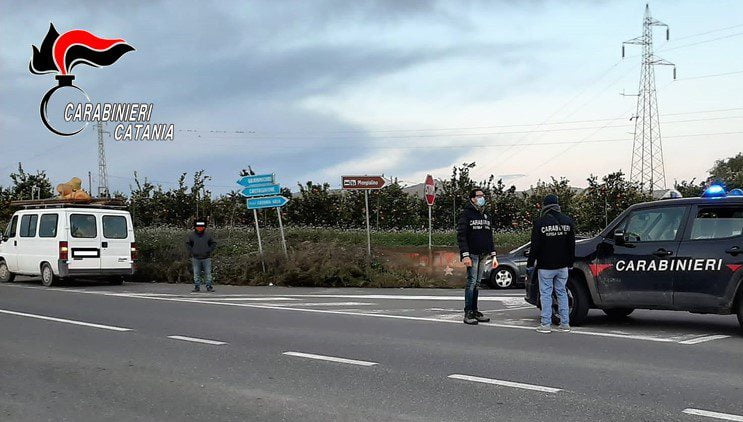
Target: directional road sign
(258,179)
(266,202)
(261,190)
(362,182)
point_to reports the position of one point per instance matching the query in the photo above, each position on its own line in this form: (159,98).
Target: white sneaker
(563,328)
(545,329)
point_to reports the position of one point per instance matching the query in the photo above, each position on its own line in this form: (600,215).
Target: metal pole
(281,228)
(429,227)
(260,246)
(368,232)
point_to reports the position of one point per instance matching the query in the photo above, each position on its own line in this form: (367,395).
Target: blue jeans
(557,280)
(200,265)
(474,275)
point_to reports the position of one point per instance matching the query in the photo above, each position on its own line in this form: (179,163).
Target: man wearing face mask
(200,245)
(475,238)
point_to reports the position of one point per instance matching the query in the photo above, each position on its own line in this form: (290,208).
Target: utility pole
(102,171)
(647,151)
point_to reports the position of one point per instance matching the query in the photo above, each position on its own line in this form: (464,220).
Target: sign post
(365,183)
(256,188)
(430,193)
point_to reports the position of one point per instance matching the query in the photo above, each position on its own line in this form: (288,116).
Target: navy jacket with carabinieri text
(474,232)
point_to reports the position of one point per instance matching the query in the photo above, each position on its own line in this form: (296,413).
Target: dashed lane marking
(714,415)
(65,321)
(198,340)
(506,383)
(331,358)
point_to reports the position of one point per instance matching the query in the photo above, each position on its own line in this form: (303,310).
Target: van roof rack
(69,203)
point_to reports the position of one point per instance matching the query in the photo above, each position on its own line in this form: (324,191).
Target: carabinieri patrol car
(677,254)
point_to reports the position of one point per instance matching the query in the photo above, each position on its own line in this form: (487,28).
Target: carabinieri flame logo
(60,53)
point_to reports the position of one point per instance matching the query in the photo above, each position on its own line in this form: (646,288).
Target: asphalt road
(157,352)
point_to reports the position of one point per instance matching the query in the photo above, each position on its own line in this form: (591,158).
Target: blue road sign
(266,202)
(261,190)
(258,179)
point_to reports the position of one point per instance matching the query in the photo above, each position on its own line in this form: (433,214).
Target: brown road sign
(362,182)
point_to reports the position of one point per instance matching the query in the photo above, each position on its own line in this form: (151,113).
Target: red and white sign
(430,190)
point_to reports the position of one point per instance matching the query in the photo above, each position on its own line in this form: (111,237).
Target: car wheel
(618,313)
(116,281)
(740,308)
(502,278)
(48,278)
(5,275)
(577,303)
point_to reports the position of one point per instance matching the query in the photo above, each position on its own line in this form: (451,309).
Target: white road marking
(703,339)
(346,312)
(506,383)
(66,321)
(715,415)
(326,304)
(198,340)
(242,299)
(460,298)
(331,358)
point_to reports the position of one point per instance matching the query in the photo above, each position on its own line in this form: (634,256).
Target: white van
(68,240)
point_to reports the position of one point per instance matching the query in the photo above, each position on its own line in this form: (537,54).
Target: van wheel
(47,275)
(618,313)
(116,281)
(5,275)
(577,303)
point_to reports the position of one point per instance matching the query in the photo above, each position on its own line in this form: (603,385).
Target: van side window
(83,226)
(48,225)
(10,231)
(28,225)
(114,227)
(654,224)
(717,223)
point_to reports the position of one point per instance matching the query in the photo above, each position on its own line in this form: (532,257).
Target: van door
(84,242)
(713,248)
(118,236)
(27,249)
(9,247)
(636,270)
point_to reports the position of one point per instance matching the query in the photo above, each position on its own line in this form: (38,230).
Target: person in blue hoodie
(475,239)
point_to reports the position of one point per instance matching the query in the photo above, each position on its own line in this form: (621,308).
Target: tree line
(391,208)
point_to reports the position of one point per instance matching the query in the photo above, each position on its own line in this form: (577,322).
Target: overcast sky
(400,87)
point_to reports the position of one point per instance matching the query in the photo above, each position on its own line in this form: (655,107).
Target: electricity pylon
(647,150)
(102,170)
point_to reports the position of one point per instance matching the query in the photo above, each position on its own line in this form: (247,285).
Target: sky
(317,89)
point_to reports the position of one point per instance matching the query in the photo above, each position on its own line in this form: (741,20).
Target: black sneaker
(480,317)
(196,289)
(469,318)
(209,289)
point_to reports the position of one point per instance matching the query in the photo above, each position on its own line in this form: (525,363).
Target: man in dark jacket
(475,238)
(200,245)
(553,249)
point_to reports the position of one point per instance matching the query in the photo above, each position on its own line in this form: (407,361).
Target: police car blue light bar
(714,191)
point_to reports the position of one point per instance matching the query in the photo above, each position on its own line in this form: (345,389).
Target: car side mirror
(5,238)
(526,252)
(619,236)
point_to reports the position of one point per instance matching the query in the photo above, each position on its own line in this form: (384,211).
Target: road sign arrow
(266,202)
(261,190)
(258,179)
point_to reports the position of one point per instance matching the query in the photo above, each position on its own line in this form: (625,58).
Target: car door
(26,251)
(713,250)
(84,242)
(10,246)
(635,268)
(116,242)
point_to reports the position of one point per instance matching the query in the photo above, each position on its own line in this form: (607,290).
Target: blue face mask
(480,201)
